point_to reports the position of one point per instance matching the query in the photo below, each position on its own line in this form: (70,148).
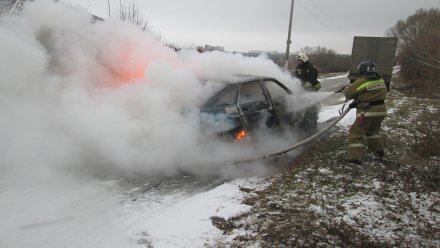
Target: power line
(316,18)
(323,13)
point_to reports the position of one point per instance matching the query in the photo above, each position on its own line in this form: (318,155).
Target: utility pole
(286,62)
(108,7)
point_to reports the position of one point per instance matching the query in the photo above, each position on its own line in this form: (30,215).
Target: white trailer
(381,50)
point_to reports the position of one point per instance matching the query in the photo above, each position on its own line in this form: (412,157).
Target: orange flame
(132,68)
(129,60)
(132,75)
(242,134)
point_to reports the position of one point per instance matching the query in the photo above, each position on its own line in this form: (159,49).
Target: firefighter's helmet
(367,67)
(302,56)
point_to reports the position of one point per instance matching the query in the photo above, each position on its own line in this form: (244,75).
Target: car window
(251,92)
(225,97)
(275,90)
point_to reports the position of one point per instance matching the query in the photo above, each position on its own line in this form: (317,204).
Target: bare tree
(419,49)
(130,12)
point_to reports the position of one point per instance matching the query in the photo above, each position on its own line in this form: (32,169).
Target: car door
(255,106)
(278,94)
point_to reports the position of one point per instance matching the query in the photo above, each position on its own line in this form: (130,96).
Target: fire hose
(297,145)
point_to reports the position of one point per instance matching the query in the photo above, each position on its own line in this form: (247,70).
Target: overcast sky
(243,25)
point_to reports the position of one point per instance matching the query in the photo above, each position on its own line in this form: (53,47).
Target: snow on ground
(55,215)
(328,112)
(97,214)
(188,223)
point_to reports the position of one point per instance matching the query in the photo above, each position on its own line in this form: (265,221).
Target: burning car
(247,105)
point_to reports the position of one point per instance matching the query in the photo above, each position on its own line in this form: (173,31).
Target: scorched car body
(250,104)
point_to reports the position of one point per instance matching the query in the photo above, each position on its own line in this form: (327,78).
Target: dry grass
(428,130)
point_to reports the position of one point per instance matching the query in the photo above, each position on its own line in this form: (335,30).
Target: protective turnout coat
(370,95)
(307,73)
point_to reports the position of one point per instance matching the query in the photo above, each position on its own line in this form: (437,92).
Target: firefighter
(307,73)
(369,93)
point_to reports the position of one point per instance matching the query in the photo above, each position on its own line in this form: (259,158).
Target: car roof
(238,79)
(241,78)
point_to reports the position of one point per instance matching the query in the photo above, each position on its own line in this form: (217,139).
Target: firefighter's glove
(353,105)
(340,90)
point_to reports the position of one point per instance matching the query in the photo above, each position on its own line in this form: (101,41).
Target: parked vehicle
(381,50)
(250,104)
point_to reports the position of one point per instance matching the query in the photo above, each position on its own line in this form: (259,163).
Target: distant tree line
(419,51)
(325,60)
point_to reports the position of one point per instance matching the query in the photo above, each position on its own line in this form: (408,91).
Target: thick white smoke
(106,97)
